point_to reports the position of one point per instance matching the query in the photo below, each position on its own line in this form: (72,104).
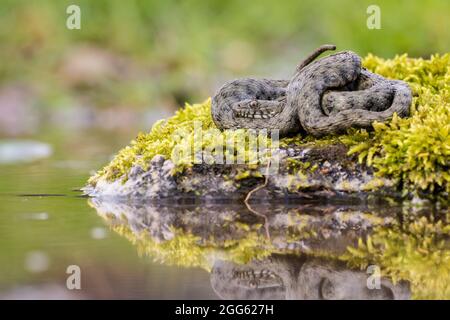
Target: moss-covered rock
(408,156)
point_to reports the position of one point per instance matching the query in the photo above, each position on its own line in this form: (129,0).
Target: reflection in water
(298,277)
(35,217)
(14,151)
(315,251)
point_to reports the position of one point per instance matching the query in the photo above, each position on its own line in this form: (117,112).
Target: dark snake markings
(326,96)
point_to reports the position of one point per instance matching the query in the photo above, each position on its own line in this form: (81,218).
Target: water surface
(45,226)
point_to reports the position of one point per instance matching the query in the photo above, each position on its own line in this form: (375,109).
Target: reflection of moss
(417,252)
(188,250)
(414,150)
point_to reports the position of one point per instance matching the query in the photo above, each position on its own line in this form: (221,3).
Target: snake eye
(254,103)
(327,289)
(253,284)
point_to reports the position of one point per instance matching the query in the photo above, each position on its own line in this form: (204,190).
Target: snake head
(245,106)
(247,103)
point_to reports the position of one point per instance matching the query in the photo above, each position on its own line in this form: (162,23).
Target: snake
(323,97)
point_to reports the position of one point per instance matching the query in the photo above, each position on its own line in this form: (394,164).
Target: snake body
(326,96)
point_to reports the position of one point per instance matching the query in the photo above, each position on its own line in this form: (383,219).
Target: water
(192,251)
(45,226)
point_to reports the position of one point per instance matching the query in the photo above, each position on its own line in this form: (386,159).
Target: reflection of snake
(299,277)
(323,97)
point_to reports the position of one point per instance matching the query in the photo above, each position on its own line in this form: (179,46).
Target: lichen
(414,152)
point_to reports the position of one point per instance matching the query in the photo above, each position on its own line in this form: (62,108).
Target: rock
(303,172)
(155,182)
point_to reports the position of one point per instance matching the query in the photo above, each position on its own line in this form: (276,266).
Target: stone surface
(303,172)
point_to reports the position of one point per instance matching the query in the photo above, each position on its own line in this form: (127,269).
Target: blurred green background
(133,60)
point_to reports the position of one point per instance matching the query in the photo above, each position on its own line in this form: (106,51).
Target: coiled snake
(326,96)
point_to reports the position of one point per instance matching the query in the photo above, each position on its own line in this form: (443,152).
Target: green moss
(305,141)
(374,184)
(415,151)
(174,139)
(245,174)
(161,139)
(297,166)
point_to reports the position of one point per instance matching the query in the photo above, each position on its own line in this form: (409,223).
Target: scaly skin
(327,96)
(339,70)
